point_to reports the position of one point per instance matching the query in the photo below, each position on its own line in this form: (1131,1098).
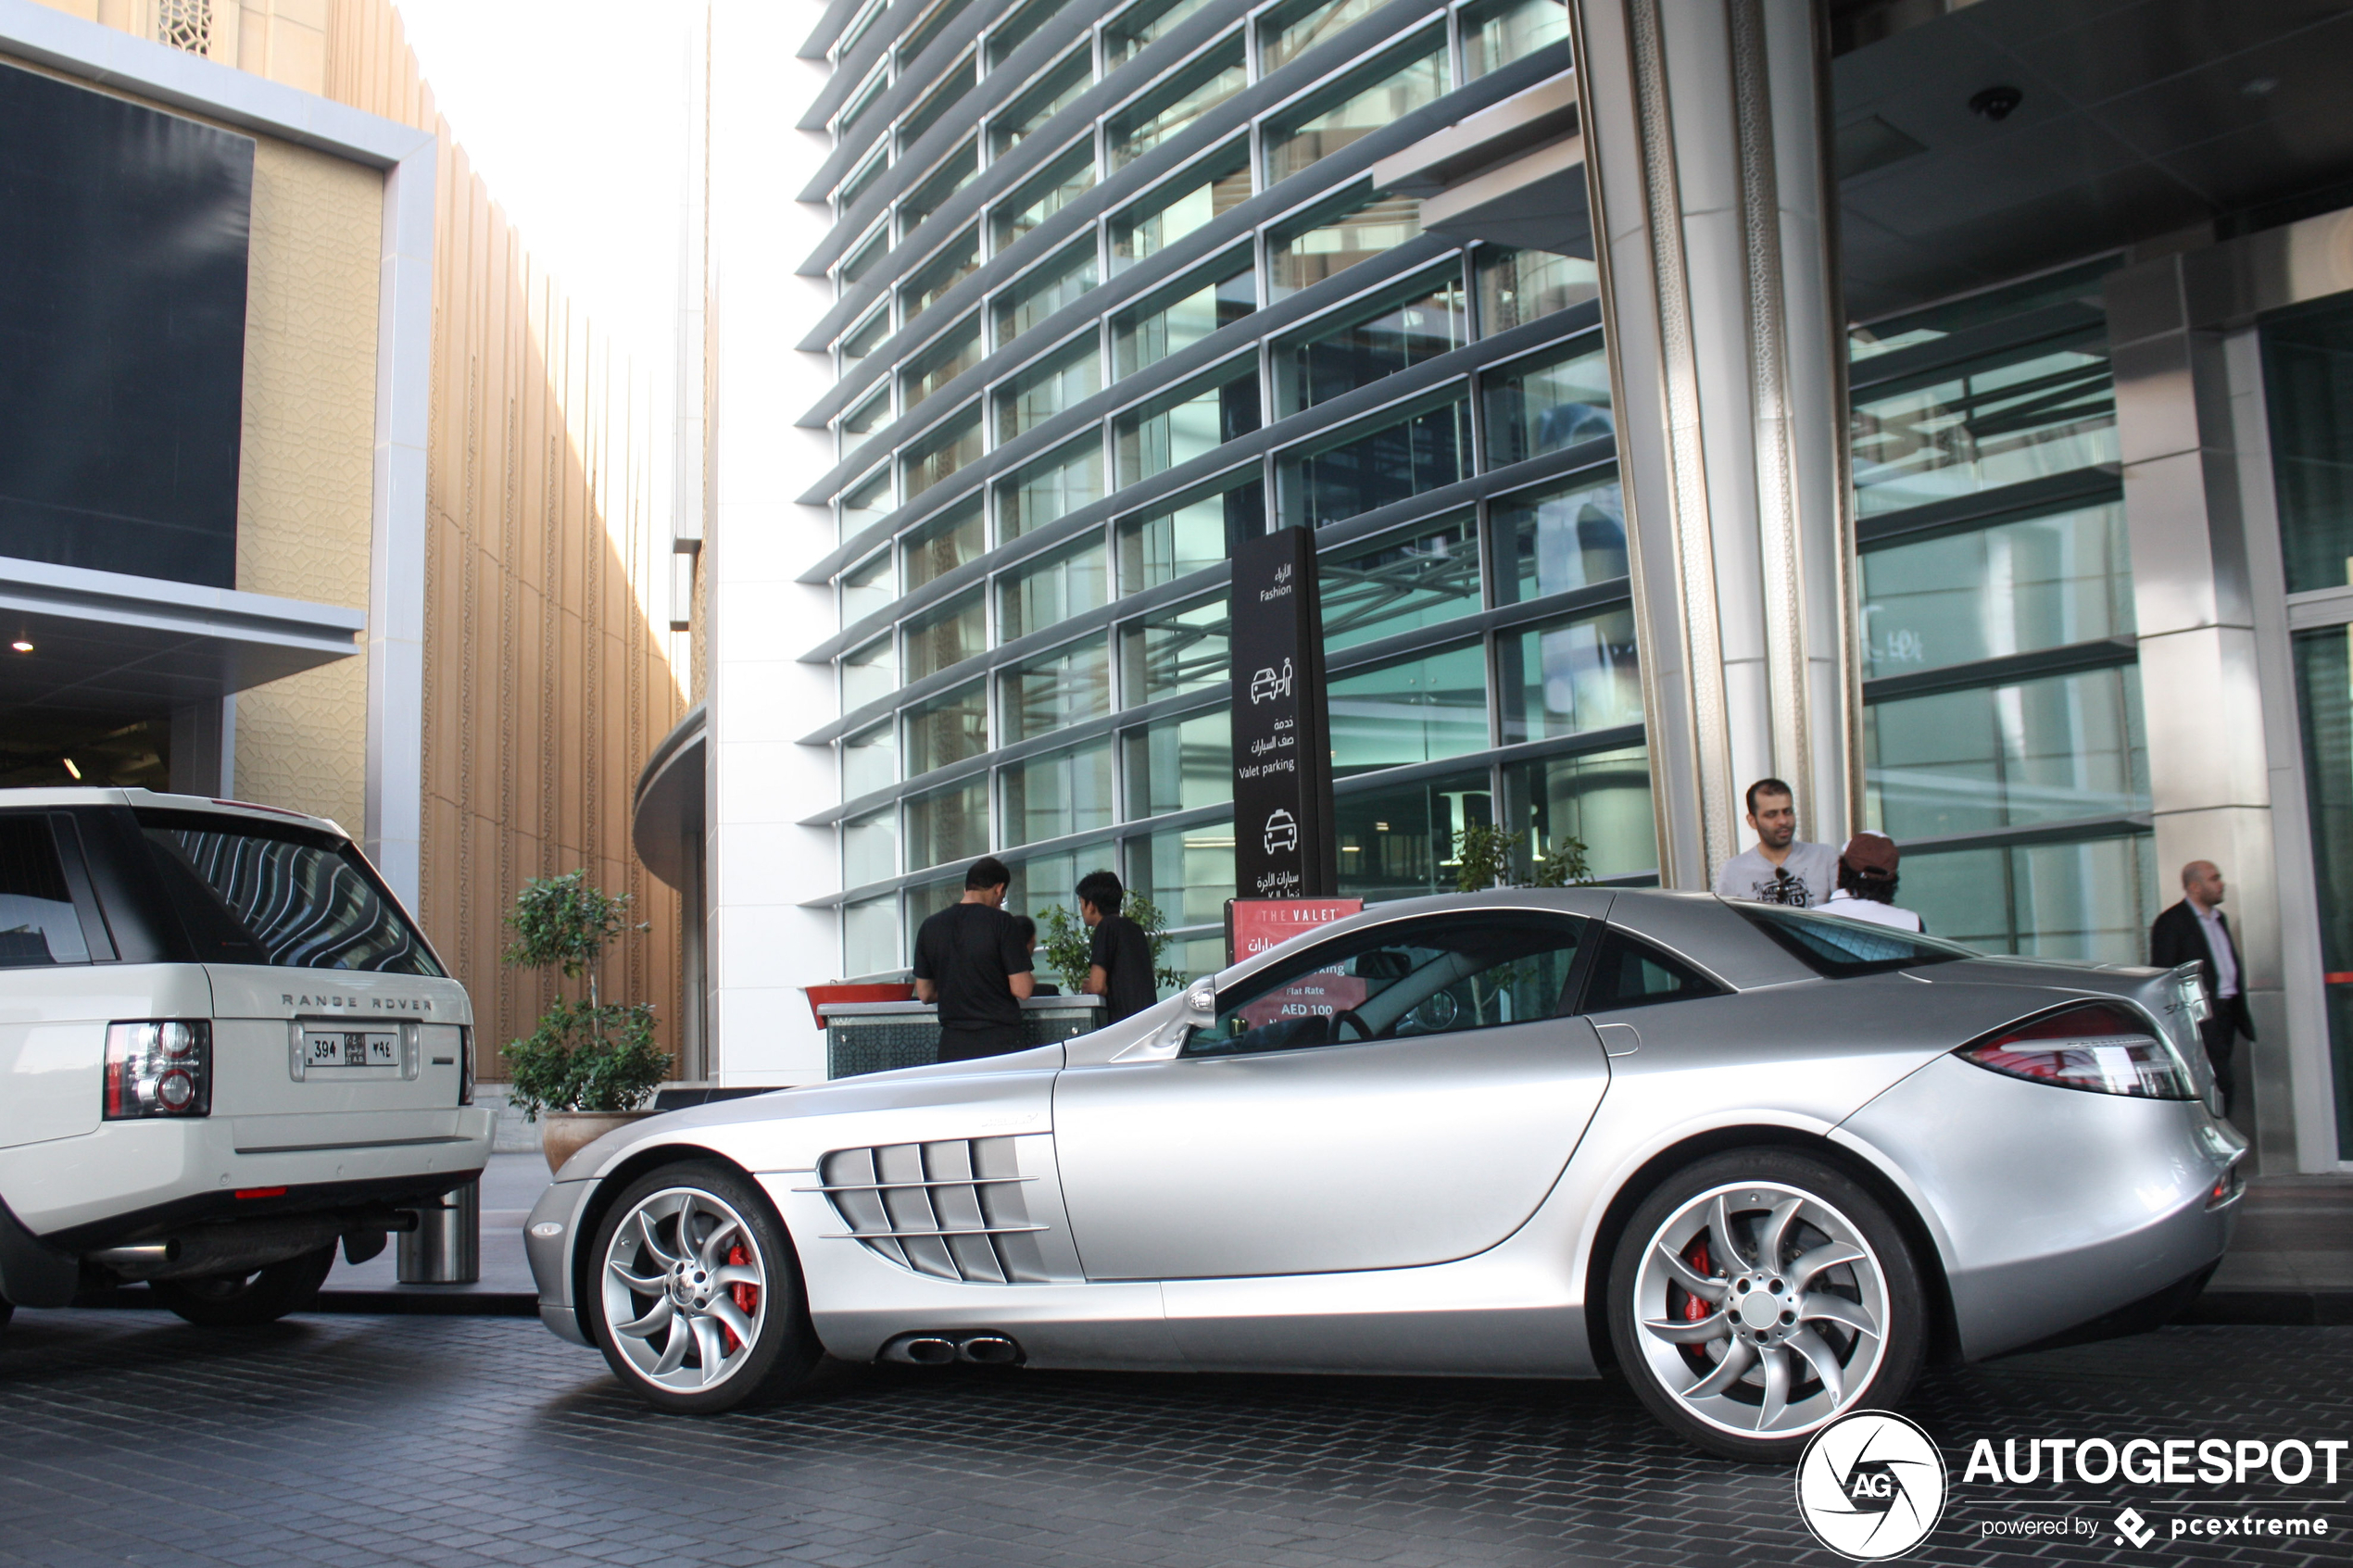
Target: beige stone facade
(546,684)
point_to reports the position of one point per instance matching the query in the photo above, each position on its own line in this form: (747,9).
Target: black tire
(1798,1329)
(248,1301)
(702,1197)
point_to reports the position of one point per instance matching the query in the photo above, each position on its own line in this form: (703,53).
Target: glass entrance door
(2307,372)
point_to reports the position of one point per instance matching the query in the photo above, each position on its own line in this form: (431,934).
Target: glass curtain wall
(1060,440)
(2003,736)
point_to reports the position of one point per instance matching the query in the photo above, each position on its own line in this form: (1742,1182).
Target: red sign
(1252,925)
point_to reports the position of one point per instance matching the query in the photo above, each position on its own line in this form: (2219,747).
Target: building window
(1569,677)
(1496,32)
(1518,286)
(1358,104)
(1547,403)
(1401,327)
(948,824)
(2016,587)
(1016,30)
(956,537)
(947,729)
(2041,409)
(868,675)
(953,262)
(1061,181)
(1051,487)
(864,339)
(1177,207)
(1175,104)
(954,444)
(1559,538)
(1052,589)
(1423,576)
(1062,380)
(953,174)
(1373,466)
(1180,764)
(1987,758)
(868,588)
(1418,709)
(1601,800)
(870,935)
(870,847)
(1140,24)
(1056,793)
(869,762)
(866,503)
(1052,93)
(1045,290)
(1055,690)
(958,81)
(1190,422)
(946,356)
(1333,238)
(1175,318)
(1287,32)
(1187,872)
(1397,841)
(1189,536)
(945,636)
(1168,652)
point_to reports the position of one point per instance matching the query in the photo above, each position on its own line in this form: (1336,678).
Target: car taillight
(465,1064)
(2099,1049)
(158,1067)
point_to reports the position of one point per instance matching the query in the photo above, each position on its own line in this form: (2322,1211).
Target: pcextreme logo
(1871,1485)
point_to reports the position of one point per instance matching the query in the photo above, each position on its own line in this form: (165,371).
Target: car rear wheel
(696,1299)
(244,1300)
(1759,1294)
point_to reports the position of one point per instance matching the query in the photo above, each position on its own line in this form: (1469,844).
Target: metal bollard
(446,1247)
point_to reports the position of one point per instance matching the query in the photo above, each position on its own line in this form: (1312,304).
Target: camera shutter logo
(1871,1485)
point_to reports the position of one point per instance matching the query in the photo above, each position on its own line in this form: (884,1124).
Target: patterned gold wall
(546,685)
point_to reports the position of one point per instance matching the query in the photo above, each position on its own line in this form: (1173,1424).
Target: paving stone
(451,1442)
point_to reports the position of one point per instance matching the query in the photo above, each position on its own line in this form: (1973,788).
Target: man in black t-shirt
(1120,963)
(971,960)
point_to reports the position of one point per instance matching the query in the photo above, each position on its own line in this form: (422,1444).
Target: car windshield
(1844,948)
(257,893)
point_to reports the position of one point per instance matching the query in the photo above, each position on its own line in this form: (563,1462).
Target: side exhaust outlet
(947,1348)
(988,1350)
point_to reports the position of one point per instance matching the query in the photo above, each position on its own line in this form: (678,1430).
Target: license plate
(350,1047)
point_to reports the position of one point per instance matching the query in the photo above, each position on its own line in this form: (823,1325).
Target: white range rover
(225,1054)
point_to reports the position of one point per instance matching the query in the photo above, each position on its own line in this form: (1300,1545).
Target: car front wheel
(1757,1296)
(247,1300)
(695,1298)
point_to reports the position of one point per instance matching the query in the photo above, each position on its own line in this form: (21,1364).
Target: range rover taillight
(465,1064)
(2100,1050)
(161,1067)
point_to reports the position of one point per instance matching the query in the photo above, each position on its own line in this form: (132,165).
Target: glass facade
(2003,740)
(1133,379)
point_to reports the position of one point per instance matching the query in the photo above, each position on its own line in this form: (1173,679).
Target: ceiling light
(1996,102)
(74,771)
(22,645)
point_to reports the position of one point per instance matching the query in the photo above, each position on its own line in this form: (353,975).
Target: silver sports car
(1764,1161)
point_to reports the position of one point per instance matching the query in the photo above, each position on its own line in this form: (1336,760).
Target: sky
(574,116)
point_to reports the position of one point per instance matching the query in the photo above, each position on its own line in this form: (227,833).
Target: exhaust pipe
(929,1350)
(988,1350)
(147,1255)
(949,1348)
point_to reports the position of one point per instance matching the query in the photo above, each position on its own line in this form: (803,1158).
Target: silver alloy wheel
(686,1289)
(1782,1327)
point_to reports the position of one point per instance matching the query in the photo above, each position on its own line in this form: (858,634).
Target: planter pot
(875,991)
(563,1134)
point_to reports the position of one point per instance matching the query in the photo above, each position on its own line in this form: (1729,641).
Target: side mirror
(1197,1010)
(1201,998)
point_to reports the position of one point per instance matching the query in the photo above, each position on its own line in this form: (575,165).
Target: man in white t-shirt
(1867,883)
(1780,870)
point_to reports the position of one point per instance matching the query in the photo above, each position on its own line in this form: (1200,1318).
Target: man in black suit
(2196,929)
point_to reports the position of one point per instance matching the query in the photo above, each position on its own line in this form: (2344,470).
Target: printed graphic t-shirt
(1813,873)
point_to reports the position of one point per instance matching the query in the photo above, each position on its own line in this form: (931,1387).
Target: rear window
(38,925)
(1842,949)
(256,893)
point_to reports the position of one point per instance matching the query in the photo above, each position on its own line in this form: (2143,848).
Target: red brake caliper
(1696,1308)
(747,1296)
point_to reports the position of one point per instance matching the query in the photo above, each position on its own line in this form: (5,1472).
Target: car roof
(88,795)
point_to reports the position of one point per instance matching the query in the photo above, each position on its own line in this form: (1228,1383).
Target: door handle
(1618,1039)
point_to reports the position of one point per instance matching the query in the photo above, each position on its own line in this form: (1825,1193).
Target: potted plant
(1487,856)
(1067,943)
(591,1064)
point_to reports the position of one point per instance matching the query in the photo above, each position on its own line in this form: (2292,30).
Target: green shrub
(588,1054)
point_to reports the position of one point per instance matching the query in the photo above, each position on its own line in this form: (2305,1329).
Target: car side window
(38,925)
(1442,975)
(1629,972)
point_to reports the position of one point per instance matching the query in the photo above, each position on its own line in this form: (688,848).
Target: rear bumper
(2050,1207)
(101,1188)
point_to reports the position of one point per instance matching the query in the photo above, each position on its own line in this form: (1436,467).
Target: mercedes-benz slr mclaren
(1766,1161)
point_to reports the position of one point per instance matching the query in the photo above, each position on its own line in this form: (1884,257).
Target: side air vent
(952,1209)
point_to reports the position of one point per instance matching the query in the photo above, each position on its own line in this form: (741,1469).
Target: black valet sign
(1283,845)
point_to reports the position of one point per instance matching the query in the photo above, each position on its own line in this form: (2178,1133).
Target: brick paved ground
(127,1437)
